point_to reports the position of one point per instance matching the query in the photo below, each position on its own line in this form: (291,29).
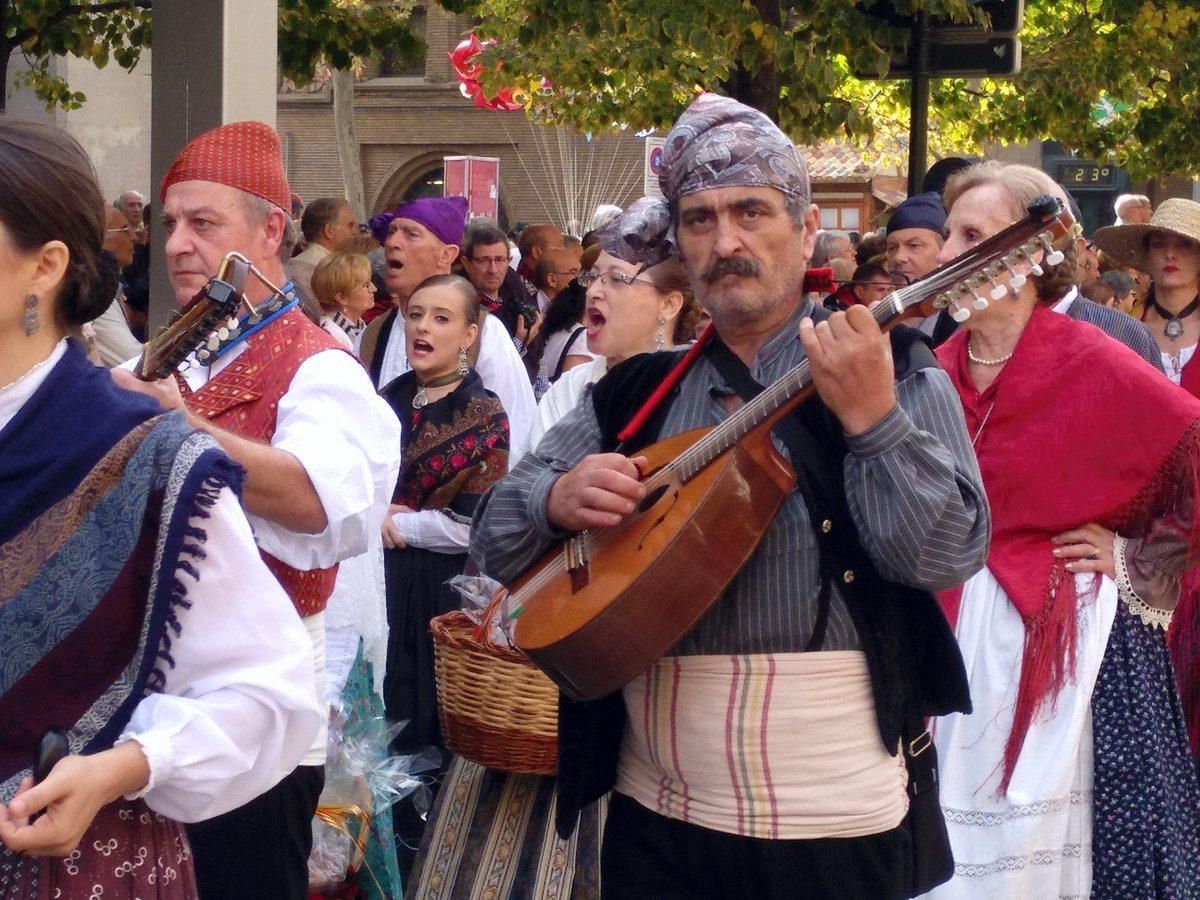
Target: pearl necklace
(979,360)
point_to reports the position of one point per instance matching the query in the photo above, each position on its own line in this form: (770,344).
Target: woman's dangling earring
(463,368)
(660,339)
(29,321)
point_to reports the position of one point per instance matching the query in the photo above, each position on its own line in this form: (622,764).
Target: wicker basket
(496,707)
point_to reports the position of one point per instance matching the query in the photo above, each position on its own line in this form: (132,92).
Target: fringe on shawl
(1052,636)
(185,545)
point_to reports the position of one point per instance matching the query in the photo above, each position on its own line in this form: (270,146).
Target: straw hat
(1126,244)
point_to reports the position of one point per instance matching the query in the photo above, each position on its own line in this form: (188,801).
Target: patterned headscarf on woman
(639,235)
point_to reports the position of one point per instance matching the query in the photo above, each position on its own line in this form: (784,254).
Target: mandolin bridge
(575,555)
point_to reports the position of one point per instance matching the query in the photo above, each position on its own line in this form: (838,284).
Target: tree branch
(73,9)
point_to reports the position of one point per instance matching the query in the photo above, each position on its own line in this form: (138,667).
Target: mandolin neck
(775,402)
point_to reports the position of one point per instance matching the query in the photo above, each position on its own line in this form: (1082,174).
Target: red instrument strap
(638,422)
(819,281)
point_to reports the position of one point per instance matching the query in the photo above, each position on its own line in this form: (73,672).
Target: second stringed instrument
(600,607)
(208,320)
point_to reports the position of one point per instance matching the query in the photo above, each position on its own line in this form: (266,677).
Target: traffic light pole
(918,130)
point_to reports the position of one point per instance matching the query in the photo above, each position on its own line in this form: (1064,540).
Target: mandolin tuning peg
(1053,257)
(184,366)
(214,343)
(232,324)
(1017,281)
(223,333)
(1036,270)
(202,354)
(999,291)
(960,314)
(980,303)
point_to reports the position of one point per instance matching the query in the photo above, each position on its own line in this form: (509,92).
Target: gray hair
(1126,199)
(825,245)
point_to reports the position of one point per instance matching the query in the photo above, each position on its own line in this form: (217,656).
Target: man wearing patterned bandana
(321,453)
(759,756)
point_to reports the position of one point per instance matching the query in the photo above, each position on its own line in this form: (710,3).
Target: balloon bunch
(464,59)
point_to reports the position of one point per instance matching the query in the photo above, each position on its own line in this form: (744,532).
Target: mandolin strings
(960,274)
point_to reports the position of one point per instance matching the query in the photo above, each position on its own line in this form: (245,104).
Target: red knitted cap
(242,155)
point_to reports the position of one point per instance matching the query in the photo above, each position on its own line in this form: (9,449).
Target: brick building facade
(406,123)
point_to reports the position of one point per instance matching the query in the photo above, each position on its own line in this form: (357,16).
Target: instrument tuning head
(979,302)
(214,343)
(999,291)
(941,301)
(1036,269)
(1017,281)
(232,324)
(202,354)
(960,314)
(1053,257)
(223,333)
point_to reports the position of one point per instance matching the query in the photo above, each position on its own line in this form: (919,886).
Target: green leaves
(1143,54)
(339,33)
(92,29)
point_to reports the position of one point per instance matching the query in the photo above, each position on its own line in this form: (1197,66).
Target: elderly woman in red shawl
(1072,777)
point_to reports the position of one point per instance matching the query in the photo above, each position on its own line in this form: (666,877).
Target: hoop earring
(29,321)
(660,339)
(463,368)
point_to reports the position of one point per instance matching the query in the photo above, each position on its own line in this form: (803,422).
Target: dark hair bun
(87,295)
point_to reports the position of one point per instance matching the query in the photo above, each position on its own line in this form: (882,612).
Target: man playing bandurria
(759,756)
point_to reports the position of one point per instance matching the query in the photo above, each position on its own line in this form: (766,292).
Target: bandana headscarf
(639,235)
(242,155)
(446,217)
(719,143)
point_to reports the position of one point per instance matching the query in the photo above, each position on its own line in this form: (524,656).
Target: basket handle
(483,631)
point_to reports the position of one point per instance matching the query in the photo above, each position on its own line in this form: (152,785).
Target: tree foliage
(338,34)
(637,62)
(97,31)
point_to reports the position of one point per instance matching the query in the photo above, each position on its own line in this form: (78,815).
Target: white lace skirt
(1035,840)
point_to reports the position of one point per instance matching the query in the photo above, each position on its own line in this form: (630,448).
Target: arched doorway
(420,178)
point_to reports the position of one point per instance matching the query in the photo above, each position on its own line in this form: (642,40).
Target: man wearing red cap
(321,453)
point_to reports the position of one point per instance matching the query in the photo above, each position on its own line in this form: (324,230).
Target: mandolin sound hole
(651,498)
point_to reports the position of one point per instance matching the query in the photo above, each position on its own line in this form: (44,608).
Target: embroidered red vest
(244,398)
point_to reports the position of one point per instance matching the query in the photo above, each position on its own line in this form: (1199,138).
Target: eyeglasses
(614,279)
(490,261)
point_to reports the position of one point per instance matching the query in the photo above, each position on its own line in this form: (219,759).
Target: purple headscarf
(639,235)
(718,143)
(446,217)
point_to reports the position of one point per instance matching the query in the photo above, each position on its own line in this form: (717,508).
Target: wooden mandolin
(209,319)
(600,607)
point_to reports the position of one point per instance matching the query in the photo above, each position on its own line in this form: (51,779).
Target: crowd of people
(962,660)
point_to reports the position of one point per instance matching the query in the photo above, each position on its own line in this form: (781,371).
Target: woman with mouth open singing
(455,435)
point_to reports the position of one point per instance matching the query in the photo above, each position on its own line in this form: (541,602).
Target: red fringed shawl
(1076,429)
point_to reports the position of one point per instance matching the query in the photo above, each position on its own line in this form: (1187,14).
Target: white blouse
(239,708)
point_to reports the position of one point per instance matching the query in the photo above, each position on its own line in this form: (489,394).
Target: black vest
(912,656)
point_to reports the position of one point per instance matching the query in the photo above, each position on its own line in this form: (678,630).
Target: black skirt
(417,591)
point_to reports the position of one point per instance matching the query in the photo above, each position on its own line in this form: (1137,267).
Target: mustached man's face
(744,254)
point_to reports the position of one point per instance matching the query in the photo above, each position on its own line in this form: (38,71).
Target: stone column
(214,62)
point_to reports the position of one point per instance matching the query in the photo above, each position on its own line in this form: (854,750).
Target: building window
(840,218)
